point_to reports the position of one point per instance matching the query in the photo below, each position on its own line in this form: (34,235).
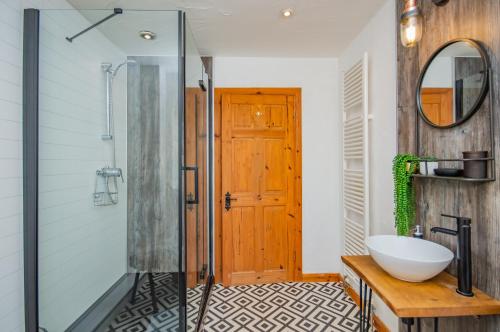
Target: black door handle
(194,200)
(228,200)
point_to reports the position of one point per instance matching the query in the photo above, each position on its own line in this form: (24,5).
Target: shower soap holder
(105,179)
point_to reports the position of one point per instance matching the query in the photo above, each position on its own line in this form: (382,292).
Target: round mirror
(453,83)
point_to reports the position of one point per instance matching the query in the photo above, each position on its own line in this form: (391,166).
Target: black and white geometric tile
(293,307)
(297,307)
(139,317)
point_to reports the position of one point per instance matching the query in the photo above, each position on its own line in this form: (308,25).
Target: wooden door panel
(277,116)
(242,116)
(274,180)
(243,239)
(258,170)
(275,239)
(244,172)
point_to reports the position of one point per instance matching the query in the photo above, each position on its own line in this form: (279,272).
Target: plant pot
(475,169)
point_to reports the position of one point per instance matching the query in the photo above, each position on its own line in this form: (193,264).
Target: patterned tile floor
(300,307)
(139,317)
(294,307)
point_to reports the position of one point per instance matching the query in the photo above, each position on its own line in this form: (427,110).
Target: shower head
(106,66)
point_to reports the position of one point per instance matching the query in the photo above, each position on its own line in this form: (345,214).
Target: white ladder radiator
(356,167)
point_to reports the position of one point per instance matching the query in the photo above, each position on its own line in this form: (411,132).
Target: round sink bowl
(408,258)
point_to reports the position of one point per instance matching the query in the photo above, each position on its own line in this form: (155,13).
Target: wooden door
(258,172)
(196,194)
(437,104)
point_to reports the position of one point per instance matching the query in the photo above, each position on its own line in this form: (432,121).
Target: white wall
(440,74)
(11,273)
(378,39)
(318,79)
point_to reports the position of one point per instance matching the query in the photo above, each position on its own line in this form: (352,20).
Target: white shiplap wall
(11,273)
(83,248)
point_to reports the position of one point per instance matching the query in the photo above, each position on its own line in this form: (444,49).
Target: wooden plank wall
(476,19)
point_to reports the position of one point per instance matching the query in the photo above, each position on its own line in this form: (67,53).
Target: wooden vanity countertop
(436,297)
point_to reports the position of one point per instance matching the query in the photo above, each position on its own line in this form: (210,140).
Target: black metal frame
(182,202)
(116,11)
(30,165)
(490,178)
(484,89)
(365,312)
(207,291)
(365,306)
(409,322)
(196,198)
(487,88)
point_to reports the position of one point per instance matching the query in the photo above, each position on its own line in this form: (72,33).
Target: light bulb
(411,33)
(287,12)
(148,35)
(411,24)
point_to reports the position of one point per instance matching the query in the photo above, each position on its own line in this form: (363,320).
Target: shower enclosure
(117,171)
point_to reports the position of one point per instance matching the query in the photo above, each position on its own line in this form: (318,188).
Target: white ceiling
(319,28)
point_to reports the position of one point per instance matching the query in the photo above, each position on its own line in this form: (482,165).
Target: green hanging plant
(403,166)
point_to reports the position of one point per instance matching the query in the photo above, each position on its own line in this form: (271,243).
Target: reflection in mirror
(453,84)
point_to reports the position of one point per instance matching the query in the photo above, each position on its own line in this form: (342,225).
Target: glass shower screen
(122,164)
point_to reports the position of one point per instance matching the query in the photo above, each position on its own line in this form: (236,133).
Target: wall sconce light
(411,24)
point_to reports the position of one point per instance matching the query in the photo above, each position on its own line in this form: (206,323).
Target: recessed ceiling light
(287,12)
(148,35)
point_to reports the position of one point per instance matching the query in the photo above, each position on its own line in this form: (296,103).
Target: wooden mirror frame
(484,89)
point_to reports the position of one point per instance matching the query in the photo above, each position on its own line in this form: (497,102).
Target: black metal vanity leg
(368,322)
(409,322)
(360,304)
(365,304)
(153,293)
(436,324)
(419,325)
(134,289)
(364,308)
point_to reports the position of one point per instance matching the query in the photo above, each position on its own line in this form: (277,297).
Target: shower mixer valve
(110,172)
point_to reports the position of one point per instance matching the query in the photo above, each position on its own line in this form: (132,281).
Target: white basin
(408,258)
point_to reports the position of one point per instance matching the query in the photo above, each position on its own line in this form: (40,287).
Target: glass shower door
(197,183)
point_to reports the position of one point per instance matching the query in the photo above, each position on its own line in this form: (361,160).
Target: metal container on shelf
(475,169)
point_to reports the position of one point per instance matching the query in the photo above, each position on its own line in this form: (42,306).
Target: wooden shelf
(433,298)
(453,178)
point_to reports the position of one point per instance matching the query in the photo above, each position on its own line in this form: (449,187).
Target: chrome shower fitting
(107,68)
(110,75)
(106,177)
(103,194)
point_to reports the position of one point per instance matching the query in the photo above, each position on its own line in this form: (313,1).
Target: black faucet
(464,262)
